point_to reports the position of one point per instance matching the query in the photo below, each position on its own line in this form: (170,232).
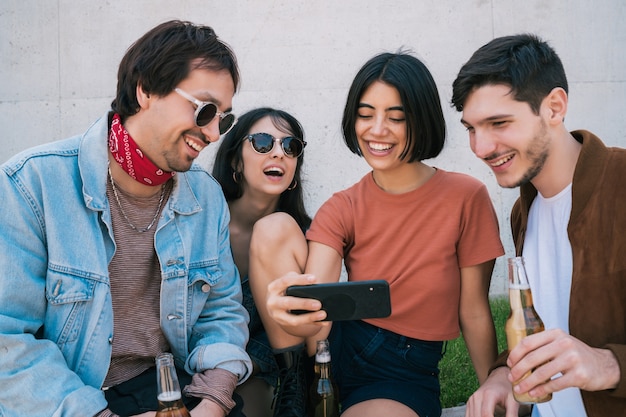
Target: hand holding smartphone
(353,300)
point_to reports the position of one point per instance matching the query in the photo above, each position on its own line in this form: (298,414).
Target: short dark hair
(524,62)
(229,157)
(164,56)
(426,127)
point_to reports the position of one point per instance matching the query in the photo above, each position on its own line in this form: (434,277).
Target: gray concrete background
(58,64)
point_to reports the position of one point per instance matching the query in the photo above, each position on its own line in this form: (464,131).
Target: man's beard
(537,154)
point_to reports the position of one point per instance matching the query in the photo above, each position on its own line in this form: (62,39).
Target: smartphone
(353,300)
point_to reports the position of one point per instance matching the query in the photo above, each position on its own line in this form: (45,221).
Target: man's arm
(218,358)
(34,376)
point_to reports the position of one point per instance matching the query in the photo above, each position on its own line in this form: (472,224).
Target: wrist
(611,369)
(209,408)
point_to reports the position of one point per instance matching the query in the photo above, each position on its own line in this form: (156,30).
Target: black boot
(291,393)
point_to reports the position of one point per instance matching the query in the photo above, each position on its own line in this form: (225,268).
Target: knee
(272,233)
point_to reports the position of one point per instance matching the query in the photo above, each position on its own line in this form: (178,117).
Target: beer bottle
(323,396)
(523,319)
(168,389)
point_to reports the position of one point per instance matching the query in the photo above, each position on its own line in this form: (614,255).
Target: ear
(556,103)
(143,98)
(237,167)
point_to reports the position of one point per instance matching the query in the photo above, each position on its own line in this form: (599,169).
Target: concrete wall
(58,63)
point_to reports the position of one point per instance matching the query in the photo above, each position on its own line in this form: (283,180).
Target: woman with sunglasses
(432,234)
(258,165)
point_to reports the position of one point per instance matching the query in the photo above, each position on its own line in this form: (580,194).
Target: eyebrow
(392,108)
(488,119)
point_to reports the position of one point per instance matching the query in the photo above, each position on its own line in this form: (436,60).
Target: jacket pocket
(201,282)
(68,298)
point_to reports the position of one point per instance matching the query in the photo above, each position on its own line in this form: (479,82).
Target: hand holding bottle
(523,321)
(543,362)
(555,352)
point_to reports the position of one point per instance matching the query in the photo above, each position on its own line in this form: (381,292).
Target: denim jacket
(56,242)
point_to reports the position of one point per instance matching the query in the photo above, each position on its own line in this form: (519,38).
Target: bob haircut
(523,62)
(425,124)
(164,56)
(229,157)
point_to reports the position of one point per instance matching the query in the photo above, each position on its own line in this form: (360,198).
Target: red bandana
(128,155)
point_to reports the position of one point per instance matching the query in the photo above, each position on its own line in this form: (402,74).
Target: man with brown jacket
(568,223)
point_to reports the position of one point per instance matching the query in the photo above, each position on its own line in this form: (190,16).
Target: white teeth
(380,146)
(194,145)
(274,171)
(501,161)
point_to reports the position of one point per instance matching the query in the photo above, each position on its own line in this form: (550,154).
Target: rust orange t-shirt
(416,241)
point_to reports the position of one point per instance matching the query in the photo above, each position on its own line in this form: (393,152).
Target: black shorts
(369,363)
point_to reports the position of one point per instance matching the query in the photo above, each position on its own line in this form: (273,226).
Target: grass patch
(457,377)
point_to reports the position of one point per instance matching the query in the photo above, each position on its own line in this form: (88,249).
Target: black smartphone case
(354,300)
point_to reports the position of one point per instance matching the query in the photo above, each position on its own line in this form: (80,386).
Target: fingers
(553,360)
(278,286)
(557,361)
(533,362)
(534,352)
(280,306)
(512,406)
(488,403)
(533,343)
(494,396)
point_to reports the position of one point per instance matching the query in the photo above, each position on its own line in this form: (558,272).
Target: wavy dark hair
(229,156)
(425,124)
(523,62)
(164,56)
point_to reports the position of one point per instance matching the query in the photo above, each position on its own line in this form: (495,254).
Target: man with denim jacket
(114,246)
(568,223)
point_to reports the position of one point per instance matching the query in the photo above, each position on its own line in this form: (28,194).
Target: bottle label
(533,322)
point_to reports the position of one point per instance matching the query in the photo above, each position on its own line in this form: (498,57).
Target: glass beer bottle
(523,319)
(323,396)
(168,389)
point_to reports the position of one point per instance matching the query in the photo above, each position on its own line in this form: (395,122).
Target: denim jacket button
(206,288)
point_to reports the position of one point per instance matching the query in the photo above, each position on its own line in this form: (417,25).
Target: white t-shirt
(548,258)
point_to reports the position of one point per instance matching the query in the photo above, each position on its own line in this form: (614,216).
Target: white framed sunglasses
(206,111)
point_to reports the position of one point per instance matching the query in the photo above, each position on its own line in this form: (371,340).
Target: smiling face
(512,140)
(165,128)
(381,126)
(270,173)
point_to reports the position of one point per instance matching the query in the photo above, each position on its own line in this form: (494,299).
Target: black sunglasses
(264,143)
(206,111)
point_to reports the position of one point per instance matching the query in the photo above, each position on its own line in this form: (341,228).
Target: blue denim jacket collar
(93,162)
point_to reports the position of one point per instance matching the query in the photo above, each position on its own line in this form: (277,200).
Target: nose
(378,125)
(481,144)
(277,149)
(212,130)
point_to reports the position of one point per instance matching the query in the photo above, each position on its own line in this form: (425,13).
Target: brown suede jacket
(597,232)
